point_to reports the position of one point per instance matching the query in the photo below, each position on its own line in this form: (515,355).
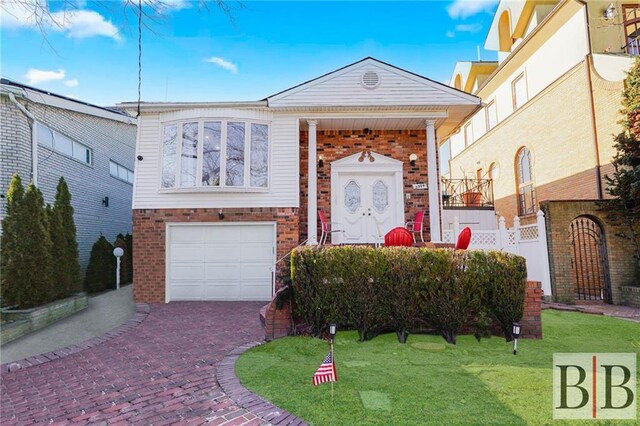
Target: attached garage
(221,261)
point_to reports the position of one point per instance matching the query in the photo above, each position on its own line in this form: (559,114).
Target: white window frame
(491,123)
(121,166)
(223,156)
(468,134)
(74,143)
(521,78)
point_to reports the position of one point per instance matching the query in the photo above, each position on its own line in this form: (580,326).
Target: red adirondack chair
(464,239)
(398,237)
(327,228)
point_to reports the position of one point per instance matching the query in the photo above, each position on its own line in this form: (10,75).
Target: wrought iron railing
(467,193)
(633,47)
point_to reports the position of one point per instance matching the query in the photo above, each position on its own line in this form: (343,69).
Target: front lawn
(426,381)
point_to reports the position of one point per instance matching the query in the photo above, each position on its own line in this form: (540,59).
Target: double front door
(367,206)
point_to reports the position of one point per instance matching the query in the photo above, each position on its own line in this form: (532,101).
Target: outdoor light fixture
(412,159)
(332,332)
(105,201)
(320,162)
(609,12)
(515,331)
(220,214)
(140,157)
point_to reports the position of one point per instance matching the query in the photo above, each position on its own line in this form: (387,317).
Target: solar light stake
(515,331)
(332,332)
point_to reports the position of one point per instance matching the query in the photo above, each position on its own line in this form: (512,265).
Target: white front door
(367,206)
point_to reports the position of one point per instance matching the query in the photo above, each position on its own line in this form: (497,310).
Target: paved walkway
(161,372)
(617,311)
(104,313)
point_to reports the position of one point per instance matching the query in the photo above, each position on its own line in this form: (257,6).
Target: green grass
(427,381)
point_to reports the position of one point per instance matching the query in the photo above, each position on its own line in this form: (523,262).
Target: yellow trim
(524,19)
(531,44)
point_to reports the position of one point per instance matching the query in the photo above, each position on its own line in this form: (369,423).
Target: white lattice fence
(528,241)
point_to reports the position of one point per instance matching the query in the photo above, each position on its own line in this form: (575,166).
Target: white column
(312,192)
(434,193)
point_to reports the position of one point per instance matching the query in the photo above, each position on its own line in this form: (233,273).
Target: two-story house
(224,190)
(45,136)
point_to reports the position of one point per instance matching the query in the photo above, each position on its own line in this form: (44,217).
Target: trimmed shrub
(125,260)
(372,289)
(100,273)
(10,243)
(128,253)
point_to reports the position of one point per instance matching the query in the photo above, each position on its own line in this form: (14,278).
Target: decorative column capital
(430,123)
(312,123)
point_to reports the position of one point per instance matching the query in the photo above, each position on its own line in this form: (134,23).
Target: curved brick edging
(226,376)
(142,310)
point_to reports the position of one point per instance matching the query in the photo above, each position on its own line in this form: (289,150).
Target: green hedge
(407,288)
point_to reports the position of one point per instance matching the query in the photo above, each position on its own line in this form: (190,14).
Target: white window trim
(73,141)
(118,177)
(223,156)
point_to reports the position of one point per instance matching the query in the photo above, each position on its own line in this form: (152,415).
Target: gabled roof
(418,90)
(36,95)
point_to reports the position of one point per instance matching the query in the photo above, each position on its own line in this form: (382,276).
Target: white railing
(528,241)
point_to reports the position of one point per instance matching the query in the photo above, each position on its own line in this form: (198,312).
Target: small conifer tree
(9,266)
(100,273)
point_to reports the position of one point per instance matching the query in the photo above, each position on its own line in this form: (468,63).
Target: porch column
(312,191)
(434,192)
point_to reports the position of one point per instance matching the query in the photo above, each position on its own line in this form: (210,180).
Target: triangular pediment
(362,160)
(370,82)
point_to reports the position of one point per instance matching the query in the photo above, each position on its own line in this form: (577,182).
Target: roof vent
(370,79)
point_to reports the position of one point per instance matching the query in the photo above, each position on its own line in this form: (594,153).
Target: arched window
(457,83)
(524,177)
(504,32)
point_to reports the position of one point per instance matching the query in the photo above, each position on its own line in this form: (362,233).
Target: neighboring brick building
(90,146)
(224,191)
(551,108)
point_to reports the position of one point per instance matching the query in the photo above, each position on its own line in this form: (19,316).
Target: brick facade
(88,183)
(621,263)
(149,251)
(334,145)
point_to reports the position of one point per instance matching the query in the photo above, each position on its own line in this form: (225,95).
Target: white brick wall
(89,184)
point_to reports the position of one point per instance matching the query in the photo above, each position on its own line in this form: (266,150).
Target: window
(215,154)
(468,135)
(524,175)
(494,171)
(120,172)
(62,144)
(492,115)
(519,90)
(445,156)
(631,23)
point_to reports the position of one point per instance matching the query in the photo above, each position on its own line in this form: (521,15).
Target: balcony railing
(471,193)
(633,47)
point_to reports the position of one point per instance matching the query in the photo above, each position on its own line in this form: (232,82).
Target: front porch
(370,179)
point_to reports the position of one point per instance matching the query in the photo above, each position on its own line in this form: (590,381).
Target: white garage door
(220,261)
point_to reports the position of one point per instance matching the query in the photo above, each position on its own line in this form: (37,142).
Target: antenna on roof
(479,58)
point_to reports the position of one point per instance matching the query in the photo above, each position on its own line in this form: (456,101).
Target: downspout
(34,141)
(594,124)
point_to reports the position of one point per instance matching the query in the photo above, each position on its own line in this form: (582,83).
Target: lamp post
(332,332)
(515,331)
(118,252)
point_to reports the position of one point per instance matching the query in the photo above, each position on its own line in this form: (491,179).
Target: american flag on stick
(326,372)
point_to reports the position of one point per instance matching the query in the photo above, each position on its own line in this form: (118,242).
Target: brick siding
(622,265)
(149,228)
(334,145)
(88,184)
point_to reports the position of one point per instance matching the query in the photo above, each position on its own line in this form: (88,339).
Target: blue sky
(195,54)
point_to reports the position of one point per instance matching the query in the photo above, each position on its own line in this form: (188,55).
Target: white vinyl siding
(346,88)
(62,144)
(283,187)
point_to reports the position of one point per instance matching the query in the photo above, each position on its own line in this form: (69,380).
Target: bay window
(230,154)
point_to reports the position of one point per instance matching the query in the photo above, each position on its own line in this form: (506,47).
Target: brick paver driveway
(161,372)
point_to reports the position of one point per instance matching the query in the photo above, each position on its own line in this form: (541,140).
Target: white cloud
(468,28)
(85,24)
(450,34)
(465,8)
(74,23)
(35,76)
(223,63)
(174,4)
(71,83)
